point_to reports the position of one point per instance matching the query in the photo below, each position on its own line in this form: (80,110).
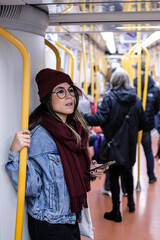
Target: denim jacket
(46,191)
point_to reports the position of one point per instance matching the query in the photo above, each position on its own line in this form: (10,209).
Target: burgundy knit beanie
(47,79)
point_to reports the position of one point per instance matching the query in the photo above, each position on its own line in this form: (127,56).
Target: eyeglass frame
(66,90)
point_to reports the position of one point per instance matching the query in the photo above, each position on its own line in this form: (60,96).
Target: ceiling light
(138,27)
(109,39)
(151,39)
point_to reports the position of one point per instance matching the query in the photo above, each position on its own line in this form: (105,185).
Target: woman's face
(63,100)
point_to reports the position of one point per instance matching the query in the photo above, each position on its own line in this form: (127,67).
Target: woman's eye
(60,91)
(71,90)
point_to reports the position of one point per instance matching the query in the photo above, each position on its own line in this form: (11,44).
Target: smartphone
(103,165)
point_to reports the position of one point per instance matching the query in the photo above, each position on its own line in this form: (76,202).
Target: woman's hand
(22,139)
(98,172)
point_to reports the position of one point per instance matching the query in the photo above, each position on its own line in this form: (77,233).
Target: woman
(110,115)
(57,181)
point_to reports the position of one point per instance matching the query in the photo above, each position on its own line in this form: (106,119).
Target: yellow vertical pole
(139,66)
(90,10)
(92,69)
(24,124)
(85,87)
(85,65)
(139,95)
(83,6)
(147,7)
(139,47)
(139,6)
(91,57)
(77,8)
(96,73)
(144,100)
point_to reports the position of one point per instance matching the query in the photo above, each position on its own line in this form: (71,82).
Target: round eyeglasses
(61,92)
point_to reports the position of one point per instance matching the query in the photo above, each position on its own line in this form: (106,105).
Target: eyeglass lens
(62,92)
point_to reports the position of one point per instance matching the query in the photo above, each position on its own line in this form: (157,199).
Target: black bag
(115,150)
(104,149)
(120,152)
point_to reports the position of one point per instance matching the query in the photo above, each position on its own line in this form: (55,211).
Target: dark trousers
(115,172)
(147,146)
(42,230)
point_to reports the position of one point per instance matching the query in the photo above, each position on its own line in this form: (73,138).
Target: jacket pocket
(55,166)
(55,157)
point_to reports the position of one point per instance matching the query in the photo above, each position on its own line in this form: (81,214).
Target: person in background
(152,108)
(157,126)
(57,179)
(110,115)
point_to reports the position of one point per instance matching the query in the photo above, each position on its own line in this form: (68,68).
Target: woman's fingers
(21,139)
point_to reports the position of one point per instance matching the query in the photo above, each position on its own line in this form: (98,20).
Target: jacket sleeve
(102,114)
(33,179)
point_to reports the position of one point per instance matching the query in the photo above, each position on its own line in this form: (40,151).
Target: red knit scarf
(75,160)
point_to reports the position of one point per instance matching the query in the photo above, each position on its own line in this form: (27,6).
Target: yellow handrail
(66,9)
(55,50)
(72,57)
(24,124)
(69,64)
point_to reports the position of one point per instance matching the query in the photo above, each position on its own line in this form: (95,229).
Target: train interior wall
(10,95)
(11,65)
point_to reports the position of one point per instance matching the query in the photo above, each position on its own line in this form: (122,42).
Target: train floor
(144,223)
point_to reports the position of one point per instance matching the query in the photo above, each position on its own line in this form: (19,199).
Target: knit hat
(47,79)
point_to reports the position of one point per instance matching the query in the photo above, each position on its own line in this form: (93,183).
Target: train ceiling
(69,18)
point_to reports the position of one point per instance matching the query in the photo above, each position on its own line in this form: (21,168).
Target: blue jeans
(147,146)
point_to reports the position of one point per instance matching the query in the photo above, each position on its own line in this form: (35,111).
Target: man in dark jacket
(116,104)
(152,108)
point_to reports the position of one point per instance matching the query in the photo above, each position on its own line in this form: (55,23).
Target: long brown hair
(46,108)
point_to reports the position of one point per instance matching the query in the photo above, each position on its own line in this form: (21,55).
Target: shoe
(152,179)
(113,216)
(131,207)
(131,204)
